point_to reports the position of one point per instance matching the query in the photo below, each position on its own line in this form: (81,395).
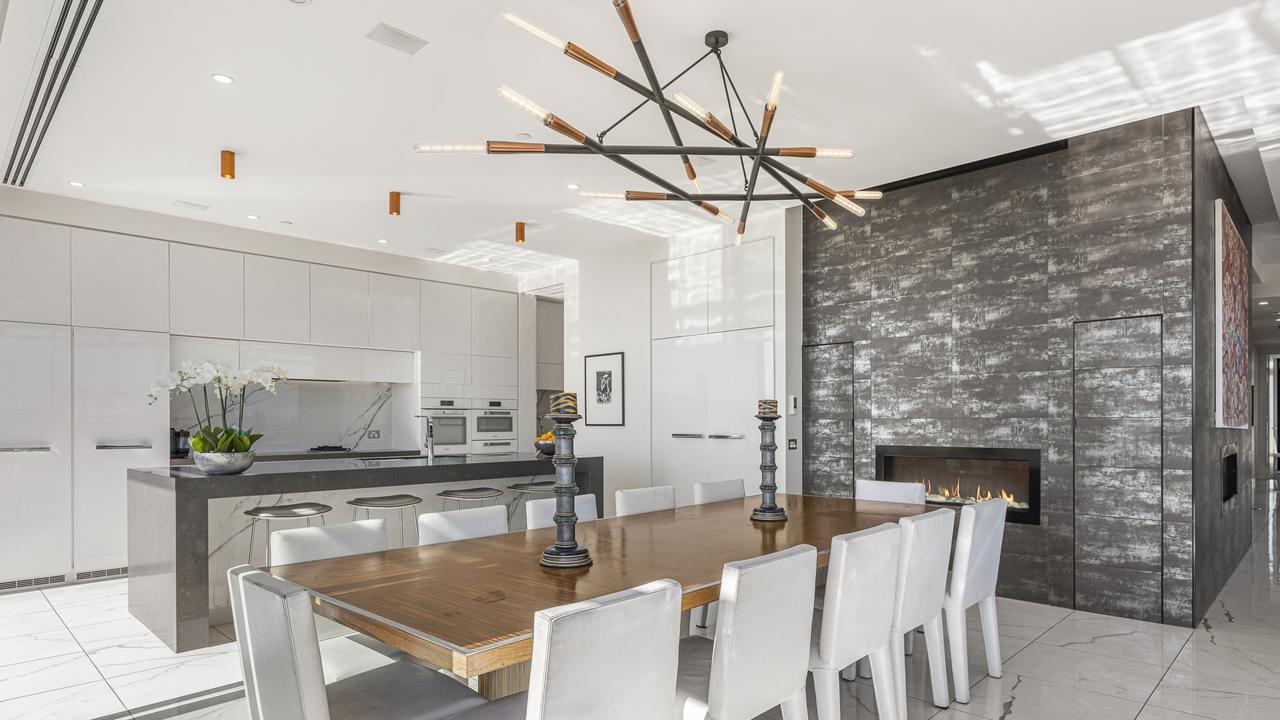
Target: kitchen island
(173,579)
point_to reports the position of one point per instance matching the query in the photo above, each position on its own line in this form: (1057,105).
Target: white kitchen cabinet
(493,323)
(705,389)
(199,349)
(206,292)
(446,375)
(115,429)
(678,296)
(394,312)
(740,287)
(550,376)
(550,332)
(35,451)
(339,306)
(35,275)
(446,318)
(390,366)
(119,281)
(494,378)
(277,299)
(306,362)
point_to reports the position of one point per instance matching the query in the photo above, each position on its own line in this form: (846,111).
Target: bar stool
(387,502)
(294,511)
(525,490)
(471,494)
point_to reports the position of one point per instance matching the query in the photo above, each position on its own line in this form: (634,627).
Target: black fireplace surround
(968,473)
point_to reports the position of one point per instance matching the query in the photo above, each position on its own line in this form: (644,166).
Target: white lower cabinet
(115,429)
(35,451)
(705,389)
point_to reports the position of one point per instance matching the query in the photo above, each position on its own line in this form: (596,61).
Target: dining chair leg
(826,688)
(850,674)
(882,662)
(991,636)
(937,651)
(957,638)
(796,707)
(899,659)
(909,642)
(864,668)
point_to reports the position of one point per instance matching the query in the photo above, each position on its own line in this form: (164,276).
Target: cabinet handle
(688,436)
(492,444)
(124,446)
(723,436)
(32,449)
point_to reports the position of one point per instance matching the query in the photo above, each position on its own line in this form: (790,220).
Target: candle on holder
(565,403)
(767,407)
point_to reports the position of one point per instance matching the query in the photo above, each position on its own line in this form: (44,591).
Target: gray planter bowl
(546,447)
(223,463)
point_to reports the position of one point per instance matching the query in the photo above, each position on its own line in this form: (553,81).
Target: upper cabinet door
(119,281)
(446,318)
(35,277)
(740,287)
(394,315)
(206,292)
(339,306)
(678,296)
(493,323)
(277,299)
(199,349)
(550,332)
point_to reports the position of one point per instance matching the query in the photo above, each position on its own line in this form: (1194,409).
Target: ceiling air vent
(190,205)
(396,39)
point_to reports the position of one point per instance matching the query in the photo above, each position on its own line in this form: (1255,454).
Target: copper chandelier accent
(757,151)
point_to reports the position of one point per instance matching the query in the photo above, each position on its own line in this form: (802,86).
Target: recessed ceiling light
(76,184)
(224,79)
(382,241)
(286,222)
(523,135)
(251,217)
(573,186)
(1264,302)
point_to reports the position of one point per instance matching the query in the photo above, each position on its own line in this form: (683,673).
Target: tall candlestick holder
(767,414)
(566,553)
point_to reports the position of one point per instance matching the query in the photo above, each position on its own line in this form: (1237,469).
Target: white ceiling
(323,119)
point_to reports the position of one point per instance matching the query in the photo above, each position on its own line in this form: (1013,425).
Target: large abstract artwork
(1232,339)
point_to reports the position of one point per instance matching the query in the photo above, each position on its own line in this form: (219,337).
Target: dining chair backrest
(643,500)
(328,541)
(761,652)
(977,558)
(889,491)
(236,593)
(281,634)
(611,657)
(857,610)
(716,491)
(541,513)
(450,525)
(922,567)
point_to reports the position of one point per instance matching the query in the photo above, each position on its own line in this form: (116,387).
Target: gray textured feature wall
(954,305)
(1222,531)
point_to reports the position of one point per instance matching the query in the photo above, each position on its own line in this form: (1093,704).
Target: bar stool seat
(385,502)
(474,494)
(540,486)
(295,511)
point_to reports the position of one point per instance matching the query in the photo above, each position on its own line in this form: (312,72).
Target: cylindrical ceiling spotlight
(394,203)
(228,165)
(519,232)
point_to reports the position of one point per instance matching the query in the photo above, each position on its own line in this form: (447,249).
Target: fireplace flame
(950,491)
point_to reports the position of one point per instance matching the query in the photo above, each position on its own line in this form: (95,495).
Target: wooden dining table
(468,606)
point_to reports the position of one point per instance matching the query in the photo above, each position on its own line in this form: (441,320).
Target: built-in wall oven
(492,425)
(446,426)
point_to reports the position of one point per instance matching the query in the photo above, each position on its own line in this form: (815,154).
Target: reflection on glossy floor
(75,652)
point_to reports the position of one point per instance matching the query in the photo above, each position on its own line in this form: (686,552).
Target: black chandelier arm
(765,124)
(498,147)
(642,195)
(651,177)
(600,135)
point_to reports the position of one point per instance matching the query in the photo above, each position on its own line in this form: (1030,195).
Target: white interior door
(739,374)
(680,414)
(35,451)
(115,429)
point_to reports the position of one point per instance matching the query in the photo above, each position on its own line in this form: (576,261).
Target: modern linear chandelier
(758,153)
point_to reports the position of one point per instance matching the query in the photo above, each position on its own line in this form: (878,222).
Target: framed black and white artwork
(604,390)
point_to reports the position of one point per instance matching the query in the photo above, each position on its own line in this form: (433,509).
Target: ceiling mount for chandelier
(760,155)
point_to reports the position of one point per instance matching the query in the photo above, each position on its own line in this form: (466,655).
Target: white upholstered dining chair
(718,490)
(857,617)
(922,585)
(760,656)
(541,513)
(889,491)
(643,500)
(613,657)
(464,524)
(974,572)
(285,678)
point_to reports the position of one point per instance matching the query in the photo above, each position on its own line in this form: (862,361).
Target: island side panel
(153,545)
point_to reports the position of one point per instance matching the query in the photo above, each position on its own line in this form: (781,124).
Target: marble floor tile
(217,672)
(122,647)
(1231,662)
(47,643)
(1019,697)
(91,603)
(1217,698)
(87,701)
(1155,712)
(88,592)
(42,621)
(210,708)
(858,702)
(1146,642)
(24,602)
(917,664)
(1021,619)
(37,676)
(1077,669)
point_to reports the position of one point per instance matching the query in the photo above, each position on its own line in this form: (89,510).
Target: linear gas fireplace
(957,476)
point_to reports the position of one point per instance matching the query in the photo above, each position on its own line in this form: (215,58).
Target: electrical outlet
(374,434)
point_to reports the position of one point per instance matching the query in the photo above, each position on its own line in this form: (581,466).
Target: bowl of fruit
(545,444)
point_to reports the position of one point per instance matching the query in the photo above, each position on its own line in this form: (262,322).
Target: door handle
(724,436)
(123,446)
(688,436)
(31,449)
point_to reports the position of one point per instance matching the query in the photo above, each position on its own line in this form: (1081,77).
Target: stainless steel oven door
(493,424)
(451,430)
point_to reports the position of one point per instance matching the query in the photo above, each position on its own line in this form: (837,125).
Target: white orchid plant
(228,389)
